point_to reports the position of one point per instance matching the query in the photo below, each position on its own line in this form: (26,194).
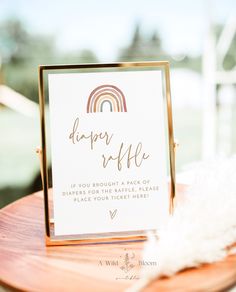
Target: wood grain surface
(26,264)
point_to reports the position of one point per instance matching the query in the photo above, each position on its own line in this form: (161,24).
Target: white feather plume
(202,227)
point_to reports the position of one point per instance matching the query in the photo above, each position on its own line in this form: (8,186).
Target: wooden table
(26,264)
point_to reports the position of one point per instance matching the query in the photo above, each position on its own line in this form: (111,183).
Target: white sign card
(108,150)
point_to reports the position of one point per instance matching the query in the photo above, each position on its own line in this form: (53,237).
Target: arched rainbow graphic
(106,94)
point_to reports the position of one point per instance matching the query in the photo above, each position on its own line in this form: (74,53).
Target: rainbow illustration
(106,94)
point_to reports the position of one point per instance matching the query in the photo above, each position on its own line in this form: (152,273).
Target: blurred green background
(78,32)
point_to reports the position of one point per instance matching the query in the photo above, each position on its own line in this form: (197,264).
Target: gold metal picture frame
(43,70)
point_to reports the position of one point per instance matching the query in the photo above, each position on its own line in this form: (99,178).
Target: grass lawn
(19,138)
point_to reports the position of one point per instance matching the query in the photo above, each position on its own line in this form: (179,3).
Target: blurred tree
(150,49)
(22,52)
(13,41)
(83,56)
(137,38)
(87,56)
(141,48)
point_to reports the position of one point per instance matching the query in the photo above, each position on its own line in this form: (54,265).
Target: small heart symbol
(113,213)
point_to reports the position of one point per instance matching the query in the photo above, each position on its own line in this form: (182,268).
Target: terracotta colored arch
(116,96)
